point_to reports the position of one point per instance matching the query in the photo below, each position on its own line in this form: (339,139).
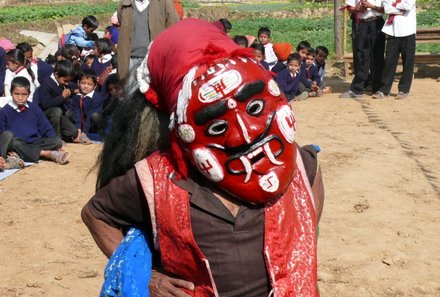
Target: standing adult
(368,43)
(228,202)
(400,30)
(141,21)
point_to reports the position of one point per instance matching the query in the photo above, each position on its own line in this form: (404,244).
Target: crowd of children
(71,96)
(299,74)
(67,98)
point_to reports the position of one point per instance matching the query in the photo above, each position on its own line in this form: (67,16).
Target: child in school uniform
(54,96)
(321,56)
(19,66)
(311,75)
(103,55)
(259,52)
(86,107)
(40,68)
(24,129)
(81,36)
(264,38)
(289,79)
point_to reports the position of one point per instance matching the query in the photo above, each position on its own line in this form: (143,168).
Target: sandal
(13,161)
(60,157)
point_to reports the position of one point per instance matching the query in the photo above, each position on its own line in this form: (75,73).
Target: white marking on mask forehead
(274,90)
(220,86)
(243,129)
(269,182)
(233,62)
(286,122)
(186,133)
(208,165)
(231,103)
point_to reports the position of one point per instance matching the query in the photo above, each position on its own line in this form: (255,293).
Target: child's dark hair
(70,52)
(24,47)
(258,47)
(89,57)
(303,45)
(323,49)
(65,68)
(264,30)
(294,57)
(20,82)
(312,52)
(18,57)
(226,25)
(50,59)
(89,73)
(112,79)
(104,45)
(90,21)
(240,40)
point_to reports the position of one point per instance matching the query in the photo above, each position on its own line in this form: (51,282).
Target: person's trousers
(29,152)
(368,43)
(63,126)
(396,46)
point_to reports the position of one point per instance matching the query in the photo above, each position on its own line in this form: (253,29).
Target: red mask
(239,131)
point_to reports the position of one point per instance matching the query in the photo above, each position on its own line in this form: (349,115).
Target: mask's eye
(217,128)
(255,107)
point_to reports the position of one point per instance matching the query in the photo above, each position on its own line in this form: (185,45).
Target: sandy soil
(379,234)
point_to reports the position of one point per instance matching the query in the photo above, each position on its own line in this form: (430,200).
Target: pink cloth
(6,44)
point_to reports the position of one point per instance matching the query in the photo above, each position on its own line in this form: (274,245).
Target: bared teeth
(270,155)
(247,166)
(254,153)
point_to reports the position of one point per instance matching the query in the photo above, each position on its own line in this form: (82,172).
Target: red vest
(289,243)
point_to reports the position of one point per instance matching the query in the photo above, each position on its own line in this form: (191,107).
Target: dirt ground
(379,234)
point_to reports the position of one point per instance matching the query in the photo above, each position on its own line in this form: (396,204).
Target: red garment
(290,233)
(392,16)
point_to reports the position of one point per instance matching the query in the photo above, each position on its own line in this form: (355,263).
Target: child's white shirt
(270,56)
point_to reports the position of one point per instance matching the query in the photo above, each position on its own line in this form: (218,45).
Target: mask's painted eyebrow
(210,112)
(249,90)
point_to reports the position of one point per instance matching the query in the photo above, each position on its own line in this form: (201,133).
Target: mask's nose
(243,130)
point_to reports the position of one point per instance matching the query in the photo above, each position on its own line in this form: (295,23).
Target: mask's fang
(248,167)
(270,155)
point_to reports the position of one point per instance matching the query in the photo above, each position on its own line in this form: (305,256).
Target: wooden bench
(423,35)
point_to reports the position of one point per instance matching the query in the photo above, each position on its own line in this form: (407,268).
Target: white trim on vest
(144,174)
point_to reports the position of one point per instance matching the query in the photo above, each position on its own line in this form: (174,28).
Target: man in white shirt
(400,29)
(368,44)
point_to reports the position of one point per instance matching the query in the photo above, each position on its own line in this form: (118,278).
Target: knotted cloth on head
(181,53)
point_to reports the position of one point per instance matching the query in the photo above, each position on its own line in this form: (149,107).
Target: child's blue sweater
(287,83)
(89,106)
(29,125)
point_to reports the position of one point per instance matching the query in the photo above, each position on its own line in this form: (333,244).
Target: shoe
(401,95)
(379,95)
(351,94)
(313,94)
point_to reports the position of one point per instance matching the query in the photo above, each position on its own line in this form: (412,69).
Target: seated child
(259,52)
(241,41)
(289,79)
(264,38)
(54,96)
(25,130)
(19,66)
(103,55)
(112,32)
(282,51)
(88,61)
(115,91)
(86,107)
(311,75)
(81,36)
(321,56)
(40,67)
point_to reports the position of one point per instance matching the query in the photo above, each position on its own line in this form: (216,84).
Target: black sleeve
(310,158)
(121,203)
